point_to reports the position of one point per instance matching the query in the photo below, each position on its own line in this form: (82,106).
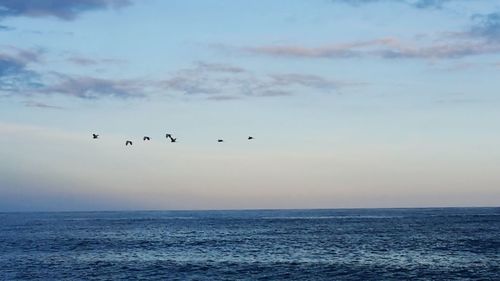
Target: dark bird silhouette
(95,136)
(169,136)
(128,142)
(146,138)
(250,138)
(219,140)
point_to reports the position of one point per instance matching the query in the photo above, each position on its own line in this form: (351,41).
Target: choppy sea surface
(337,244)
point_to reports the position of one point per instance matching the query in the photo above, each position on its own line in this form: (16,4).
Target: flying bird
(250,138)
(95,136)
(219,140)
(146,138)
(128,142)
(169,136)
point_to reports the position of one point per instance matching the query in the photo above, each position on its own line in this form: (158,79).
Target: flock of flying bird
(168,136)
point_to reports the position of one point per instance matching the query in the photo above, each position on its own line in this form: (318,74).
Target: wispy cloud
(227,82)
(385,48)
(421,4)
(189,85)
(342,50)
(6,28)
(273,93)
(203,78)
(15,74)
(10,65)
(86,61)
(487,27)
(41,105)
(305,80)
(482,37)
(428,3)
(93,88)
(214,81)
(216,67)
(24,56)
(223,98)
(62,9)
(18,78)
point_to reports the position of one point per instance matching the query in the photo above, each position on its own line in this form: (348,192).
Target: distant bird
(169,136)
(95,136)
(219,140)
(250,138)
(128,142)
(146,138)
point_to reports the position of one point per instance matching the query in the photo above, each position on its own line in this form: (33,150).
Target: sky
(351,103)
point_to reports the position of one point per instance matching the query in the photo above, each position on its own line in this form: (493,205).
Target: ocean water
(349,244)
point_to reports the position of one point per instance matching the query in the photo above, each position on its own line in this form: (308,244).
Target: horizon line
(253,209)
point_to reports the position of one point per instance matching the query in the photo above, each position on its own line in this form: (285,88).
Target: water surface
(350,244)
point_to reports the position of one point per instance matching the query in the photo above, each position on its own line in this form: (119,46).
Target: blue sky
(361,103)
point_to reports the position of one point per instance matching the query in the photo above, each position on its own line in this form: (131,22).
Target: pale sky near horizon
(361,103)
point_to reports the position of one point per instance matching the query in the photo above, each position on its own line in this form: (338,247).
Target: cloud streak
(420,4)
(487,27)
(17,78)
(15,74)
(94,88)
(61,9)
(85,61)
(217,67)
(226,82)
(41,105)
(383,48)
(482,39)
(213,81)
(5,28)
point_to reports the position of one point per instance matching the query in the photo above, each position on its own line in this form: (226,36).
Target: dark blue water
(364,244)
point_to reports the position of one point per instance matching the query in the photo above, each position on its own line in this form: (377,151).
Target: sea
(330,244)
